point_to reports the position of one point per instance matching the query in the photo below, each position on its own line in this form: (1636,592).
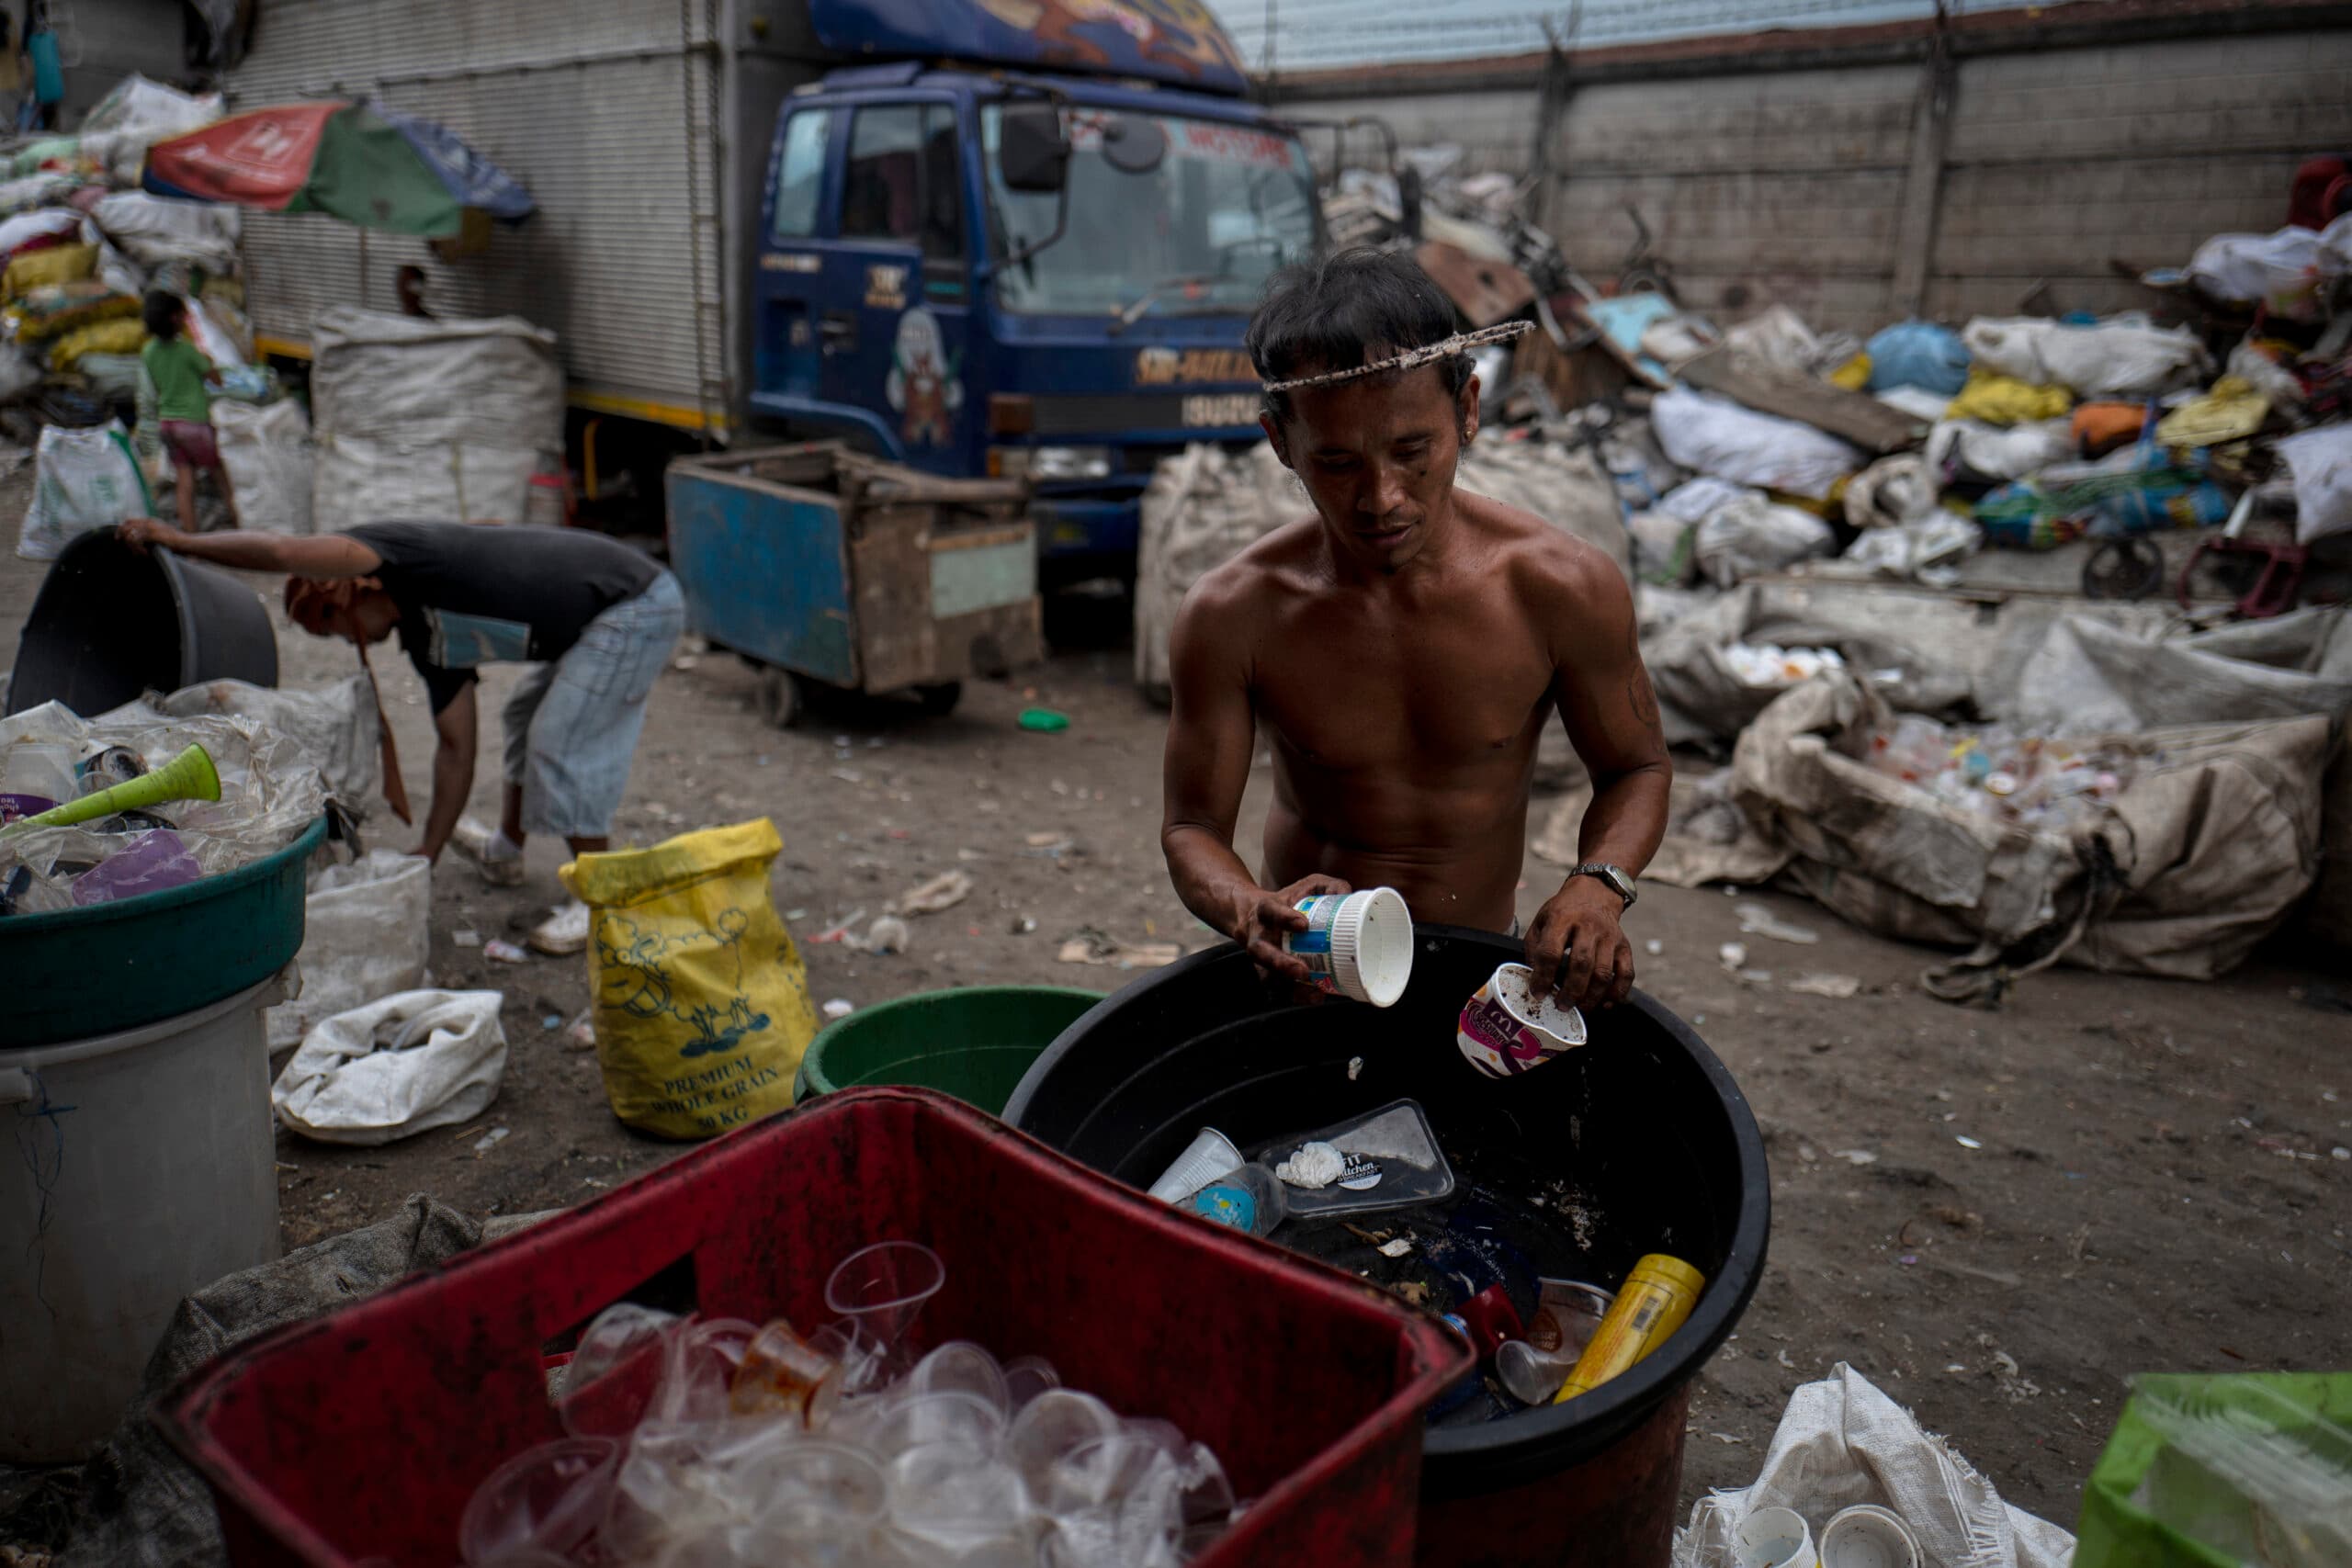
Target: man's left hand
(1577,947)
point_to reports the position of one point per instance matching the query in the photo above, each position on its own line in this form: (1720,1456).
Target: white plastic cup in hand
(547,1499)
(885,1287)
(1356,944)
(1209,1156)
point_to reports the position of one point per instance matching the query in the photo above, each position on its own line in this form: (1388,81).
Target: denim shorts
(571,725)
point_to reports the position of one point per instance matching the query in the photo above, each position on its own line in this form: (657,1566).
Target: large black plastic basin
(111,624)
(1644,1118)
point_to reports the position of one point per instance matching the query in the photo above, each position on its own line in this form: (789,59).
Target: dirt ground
(1997,1217)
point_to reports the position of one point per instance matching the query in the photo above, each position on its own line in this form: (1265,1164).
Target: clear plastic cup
(931,1418)
(1052,1426)
(820,1495)
(884,1287)
(1209,1156)
(1532,1376)
(960,1367)
(549,1499)
(959,1495)
(1114,1502)
(702,1364)
(615,1369)
(1027,1377)
(865,1361)
(781,1375)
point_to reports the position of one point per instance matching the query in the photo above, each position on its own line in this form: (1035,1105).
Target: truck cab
(921,291)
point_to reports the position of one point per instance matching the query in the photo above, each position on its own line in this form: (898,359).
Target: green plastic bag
(2212,1471)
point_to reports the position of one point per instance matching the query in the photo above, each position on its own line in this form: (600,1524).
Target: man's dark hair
(1351,308)
(161,311)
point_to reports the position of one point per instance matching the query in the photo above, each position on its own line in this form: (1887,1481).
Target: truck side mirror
(1031,152)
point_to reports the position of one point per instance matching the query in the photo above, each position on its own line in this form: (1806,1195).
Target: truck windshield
(1202,232)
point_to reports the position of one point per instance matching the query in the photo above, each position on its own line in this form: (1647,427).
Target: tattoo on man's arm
(1643,701)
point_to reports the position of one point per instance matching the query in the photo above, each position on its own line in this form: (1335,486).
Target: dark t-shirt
(473,594)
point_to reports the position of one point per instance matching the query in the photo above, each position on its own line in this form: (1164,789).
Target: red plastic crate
(360,1434)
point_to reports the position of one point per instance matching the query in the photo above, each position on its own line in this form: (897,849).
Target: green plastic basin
(975,1043)
(70,974)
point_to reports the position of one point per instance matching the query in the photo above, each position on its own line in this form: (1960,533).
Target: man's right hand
(1261,919)
(141,533)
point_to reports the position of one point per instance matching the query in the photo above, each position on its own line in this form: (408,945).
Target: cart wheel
(782,702)
(940,700)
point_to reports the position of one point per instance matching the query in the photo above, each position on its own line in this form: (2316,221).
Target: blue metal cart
(822,566)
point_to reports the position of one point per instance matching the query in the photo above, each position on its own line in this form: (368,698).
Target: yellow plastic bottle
(1651,1305)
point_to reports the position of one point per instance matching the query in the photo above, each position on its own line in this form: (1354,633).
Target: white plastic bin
(141,1167)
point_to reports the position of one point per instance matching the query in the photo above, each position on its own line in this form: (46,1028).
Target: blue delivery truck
(1015,239)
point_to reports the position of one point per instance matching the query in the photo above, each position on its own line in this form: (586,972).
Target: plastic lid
(1373,940)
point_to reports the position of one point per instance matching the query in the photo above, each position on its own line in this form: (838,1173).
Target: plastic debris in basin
(1390,1161)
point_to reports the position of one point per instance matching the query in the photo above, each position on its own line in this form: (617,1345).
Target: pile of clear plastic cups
(720,1443)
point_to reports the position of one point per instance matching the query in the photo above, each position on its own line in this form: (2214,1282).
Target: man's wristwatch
(1620,880)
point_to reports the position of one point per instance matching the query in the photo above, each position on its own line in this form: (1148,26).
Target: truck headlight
(1069,463)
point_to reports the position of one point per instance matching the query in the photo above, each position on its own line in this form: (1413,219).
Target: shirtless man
(1403,648)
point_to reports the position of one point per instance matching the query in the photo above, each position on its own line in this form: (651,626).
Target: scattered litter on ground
(498,950)
(1837,987)
(1755,920)
(839,1007)
(1734,955)
(944,891)
(490,1140)
(465,938)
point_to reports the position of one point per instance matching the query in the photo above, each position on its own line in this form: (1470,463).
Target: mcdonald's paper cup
(1356,944)
(1209,1156)
(1509,1027)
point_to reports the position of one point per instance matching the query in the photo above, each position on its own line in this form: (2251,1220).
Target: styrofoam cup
(1773,1538)
(1868,1536)
(1209,1156)
(1356,944)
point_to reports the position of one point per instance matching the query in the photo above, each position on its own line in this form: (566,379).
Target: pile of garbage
(2147,775)
(1763,446)
(81,244)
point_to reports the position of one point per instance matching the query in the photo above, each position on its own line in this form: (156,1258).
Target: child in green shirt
(179,371)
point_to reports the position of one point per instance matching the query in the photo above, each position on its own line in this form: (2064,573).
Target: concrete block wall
(1807,177)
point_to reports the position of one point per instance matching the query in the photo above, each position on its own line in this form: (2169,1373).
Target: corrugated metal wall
(1789,184)
(605,108)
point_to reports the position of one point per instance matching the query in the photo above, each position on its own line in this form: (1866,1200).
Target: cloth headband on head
(1412,358)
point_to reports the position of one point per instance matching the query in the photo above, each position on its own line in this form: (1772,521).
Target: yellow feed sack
(126,335)
(55,263)
(702,1006)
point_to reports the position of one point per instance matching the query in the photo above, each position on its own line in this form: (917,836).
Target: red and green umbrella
(360,162)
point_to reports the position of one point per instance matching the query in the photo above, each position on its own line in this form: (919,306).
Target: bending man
(597,618)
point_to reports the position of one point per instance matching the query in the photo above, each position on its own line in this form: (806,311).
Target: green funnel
(188,776)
